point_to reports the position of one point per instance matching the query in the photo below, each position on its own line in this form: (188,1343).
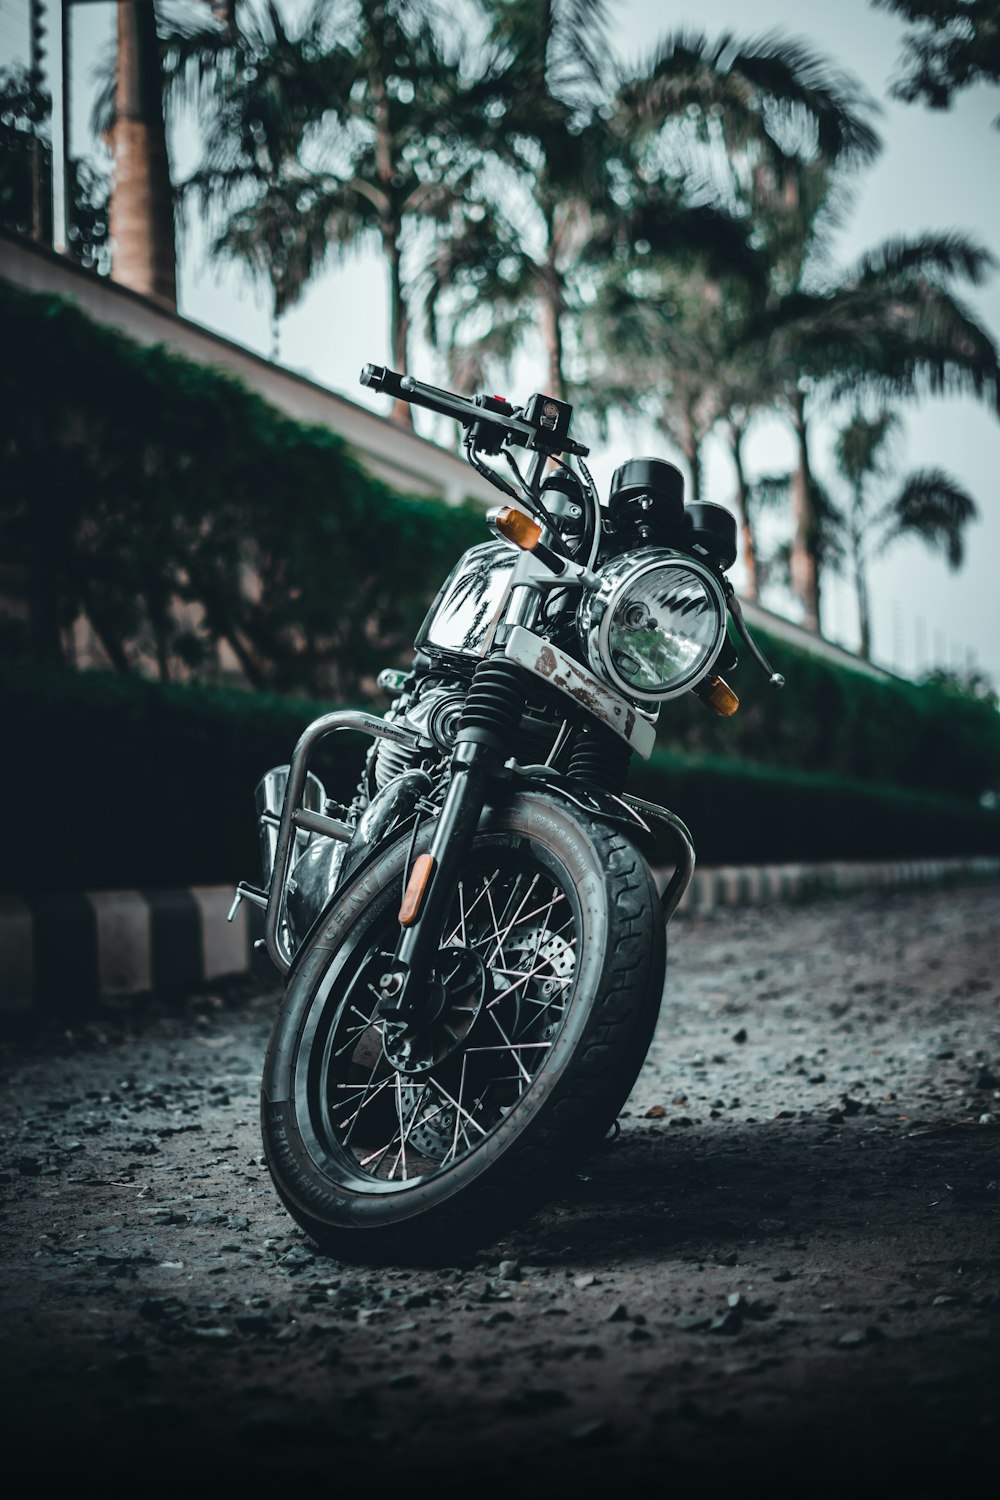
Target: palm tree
(262,94)
(929,504)
(753,128)
(889,327)
(588,163)
(656,343)
(512,259)
(25,130)
(352,130)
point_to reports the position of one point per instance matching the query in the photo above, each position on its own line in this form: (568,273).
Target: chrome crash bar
(681,878)
(295,818)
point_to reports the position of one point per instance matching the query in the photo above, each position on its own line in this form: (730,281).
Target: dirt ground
(784,1272)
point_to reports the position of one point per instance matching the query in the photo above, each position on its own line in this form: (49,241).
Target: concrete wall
(401,458)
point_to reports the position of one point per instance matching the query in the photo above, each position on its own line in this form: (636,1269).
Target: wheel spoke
(437,1084)
(453,1149)
(521,918)
(354,1032)
(511,916)
(468,913)
(369,1094)
(504,915)
(405,1134)
(497,936)
(521,981)
(510,1047)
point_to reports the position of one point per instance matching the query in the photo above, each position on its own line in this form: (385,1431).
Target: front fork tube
(405,983)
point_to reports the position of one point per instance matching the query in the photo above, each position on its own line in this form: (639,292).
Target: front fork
(491,714)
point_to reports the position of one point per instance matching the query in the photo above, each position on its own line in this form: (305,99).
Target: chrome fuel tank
(460,621)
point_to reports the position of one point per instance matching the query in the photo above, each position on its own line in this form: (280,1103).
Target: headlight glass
(654,625)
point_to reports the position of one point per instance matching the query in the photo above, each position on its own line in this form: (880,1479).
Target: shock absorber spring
(493,707)
(599,759)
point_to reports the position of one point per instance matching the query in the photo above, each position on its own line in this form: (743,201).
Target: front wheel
(542,1003)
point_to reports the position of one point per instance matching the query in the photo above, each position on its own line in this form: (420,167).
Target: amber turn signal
(416,886)
(719,696)
(517,527)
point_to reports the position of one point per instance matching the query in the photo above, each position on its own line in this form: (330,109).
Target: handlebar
(517,426)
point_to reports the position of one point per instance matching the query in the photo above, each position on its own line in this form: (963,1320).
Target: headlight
(654,623)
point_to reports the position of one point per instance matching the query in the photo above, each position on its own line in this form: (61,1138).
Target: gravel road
(783,1272)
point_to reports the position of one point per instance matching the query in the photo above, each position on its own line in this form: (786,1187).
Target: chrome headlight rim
(617,577)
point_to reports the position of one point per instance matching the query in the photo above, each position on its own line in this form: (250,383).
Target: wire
(558,742)
(536,503)
(487,473)
(589,490)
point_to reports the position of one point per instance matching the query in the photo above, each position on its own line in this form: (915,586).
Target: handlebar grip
(378,378)
(405,388)
(373,375)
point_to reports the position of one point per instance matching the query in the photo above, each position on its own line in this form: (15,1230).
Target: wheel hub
(456,987)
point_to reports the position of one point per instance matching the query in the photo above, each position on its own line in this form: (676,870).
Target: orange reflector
(719,696)
(518,528)
(413,896)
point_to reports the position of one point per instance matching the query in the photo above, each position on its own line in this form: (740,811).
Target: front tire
(545,996)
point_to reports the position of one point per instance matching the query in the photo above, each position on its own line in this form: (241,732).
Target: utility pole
(59,76)
(36,74)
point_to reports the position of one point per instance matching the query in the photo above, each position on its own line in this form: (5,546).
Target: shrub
(144,490)
(114,782)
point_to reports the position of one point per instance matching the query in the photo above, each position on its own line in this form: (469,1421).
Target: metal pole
(36,74)
(59,74)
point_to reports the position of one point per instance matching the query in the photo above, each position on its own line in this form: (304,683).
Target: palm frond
(862,446)
(800,89)
(559,48)
(934,507)
(939,257)
(776,91)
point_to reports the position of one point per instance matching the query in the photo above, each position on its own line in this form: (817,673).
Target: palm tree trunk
(750,562)
(158,611)
(390,228)
(861,592)
(142,211)
(275,353)
(399,321)
(552,311)
(804,559)
(692,452)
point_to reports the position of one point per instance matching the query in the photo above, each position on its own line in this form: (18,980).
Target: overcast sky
(938,171)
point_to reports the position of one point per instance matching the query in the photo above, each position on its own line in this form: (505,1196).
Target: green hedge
(130,476)
(740,813)
(115,782)
(845,723)
(133,479)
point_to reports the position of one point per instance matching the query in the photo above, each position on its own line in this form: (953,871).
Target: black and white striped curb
(60,953)
(755,885)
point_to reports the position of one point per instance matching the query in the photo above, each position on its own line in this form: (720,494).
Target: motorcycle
(474,948)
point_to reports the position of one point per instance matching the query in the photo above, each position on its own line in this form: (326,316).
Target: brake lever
(775,678)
